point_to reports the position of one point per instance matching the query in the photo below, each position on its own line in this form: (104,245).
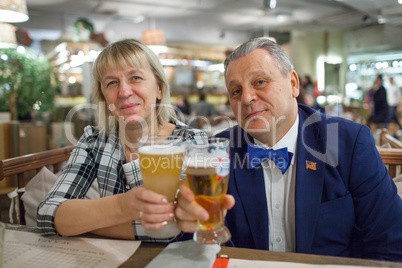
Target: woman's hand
(188,210)
(151,209)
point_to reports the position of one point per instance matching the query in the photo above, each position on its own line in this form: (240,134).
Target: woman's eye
(136,77)
(111,83)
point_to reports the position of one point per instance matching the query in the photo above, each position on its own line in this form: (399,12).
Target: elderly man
(300,181)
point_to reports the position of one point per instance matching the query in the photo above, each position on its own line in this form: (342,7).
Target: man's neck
(273,136)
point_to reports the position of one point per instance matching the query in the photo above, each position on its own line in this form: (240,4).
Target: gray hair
(280,56)
(122,54)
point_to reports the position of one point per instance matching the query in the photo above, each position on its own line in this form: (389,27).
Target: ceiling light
(21,49)
(381,20)
(72,79)
(139,19)
(153,37)
(157,49)
(270,3)
(13,11)
(155,40)
(400,2)
(282,17)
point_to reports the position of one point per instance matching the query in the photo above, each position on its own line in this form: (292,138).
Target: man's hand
(188,211)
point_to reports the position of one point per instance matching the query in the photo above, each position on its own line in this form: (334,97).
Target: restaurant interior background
(341,44)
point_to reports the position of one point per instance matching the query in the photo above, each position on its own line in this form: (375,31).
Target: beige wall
(301,53)
(308,47)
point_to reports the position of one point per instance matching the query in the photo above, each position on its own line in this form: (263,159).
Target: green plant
(27,82)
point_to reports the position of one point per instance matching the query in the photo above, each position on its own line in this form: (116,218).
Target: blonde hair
(123,54)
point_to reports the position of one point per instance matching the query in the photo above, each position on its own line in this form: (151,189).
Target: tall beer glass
(161,161)
(207,170)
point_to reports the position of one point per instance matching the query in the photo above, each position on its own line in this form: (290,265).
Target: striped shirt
(100,157)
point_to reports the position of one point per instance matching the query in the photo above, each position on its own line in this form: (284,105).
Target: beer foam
(205,162)
(207,165)
(160,149)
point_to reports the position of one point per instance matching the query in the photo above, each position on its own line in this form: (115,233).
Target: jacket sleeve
(378,208)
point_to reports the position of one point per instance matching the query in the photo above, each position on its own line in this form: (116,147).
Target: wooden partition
(20,165)
(392,157)
(385,138)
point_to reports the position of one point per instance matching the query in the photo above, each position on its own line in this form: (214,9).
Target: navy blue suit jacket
(348,206)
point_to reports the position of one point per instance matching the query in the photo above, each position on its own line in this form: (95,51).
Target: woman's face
(131,94)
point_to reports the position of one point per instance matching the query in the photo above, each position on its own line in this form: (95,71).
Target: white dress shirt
(393,95)
(280,191)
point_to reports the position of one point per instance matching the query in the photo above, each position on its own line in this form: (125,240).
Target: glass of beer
(207,170)
(161,162)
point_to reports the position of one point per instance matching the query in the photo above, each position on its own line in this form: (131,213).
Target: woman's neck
(130,135)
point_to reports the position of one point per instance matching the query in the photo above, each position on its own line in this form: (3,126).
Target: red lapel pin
(311,165)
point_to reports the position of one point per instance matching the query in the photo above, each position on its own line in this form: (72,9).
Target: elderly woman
(132,95)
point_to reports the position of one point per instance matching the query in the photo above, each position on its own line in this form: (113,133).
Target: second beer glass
(207,170)
(161,161)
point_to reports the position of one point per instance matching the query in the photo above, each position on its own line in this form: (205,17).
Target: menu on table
(27,249)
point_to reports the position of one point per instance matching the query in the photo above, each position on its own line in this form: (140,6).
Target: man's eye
(235,92)
(260,82)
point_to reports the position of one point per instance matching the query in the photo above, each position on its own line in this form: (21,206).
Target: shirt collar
(289,140)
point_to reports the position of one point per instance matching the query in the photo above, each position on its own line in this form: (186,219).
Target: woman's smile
(129,106)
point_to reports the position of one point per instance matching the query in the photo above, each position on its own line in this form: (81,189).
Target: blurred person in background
(380,108)
(306,95)
(201,111)
(183,105)
(202,107)
(394,96)
(369,106)
(307,85)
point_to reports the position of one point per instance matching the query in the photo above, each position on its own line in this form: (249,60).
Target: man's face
(262,98)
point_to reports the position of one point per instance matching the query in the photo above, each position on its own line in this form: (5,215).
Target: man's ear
(294,80)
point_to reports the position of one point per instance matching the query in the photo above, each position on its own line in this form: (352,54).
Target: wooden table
(148,251)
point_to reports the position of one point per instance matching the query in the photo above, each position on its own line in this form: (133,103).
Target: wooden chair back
(392,158)
(385,137)
(32,162)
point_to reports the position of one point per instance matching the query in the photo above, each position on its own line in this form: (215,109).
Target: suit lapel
(309,182)
(250,186)
(251,189)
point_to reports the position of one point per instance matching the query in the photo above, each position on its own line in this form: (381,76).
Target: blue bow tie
(281,157)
